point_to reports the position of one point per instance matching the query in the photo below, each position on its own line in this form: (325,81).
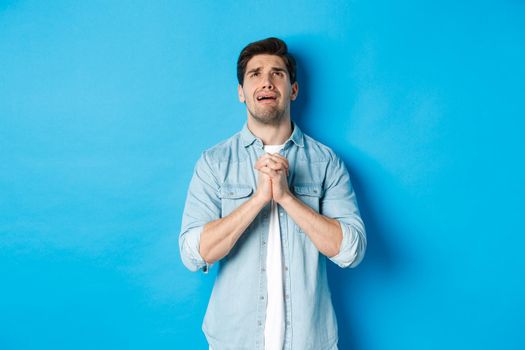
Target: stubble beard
(268,116)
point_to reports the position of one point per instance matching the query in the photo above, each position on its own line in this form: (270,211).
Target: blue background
(106,106)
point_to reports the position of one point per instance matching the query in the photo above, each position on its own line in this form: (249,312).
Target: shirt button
(286,268)
(281,214)
(263,269)
(259,323)
(231,193)
(264,242)
(262,298)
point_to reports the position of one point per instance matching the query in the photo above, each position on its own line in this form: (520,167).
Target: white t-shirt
(274,325)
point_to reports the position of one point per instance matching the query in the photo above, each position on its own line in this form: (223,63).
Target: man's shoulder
(223,150)
(319,149)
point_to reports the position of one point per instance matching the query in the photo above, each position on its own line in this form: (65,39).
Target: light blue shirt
(223,179)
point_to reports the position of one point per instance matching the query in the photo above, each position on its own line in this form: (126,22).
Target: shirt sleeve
(202,206)
(339,202)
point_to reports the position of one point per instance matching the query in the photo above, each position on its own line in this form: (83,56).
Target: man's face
(266,90)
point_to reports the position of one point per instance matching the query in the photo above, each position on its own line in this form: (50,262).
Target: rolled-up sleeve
(339,202)
(202,206)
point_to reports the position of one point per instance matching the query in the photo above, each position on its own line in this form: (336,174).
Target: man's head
(270,46)
(266,74)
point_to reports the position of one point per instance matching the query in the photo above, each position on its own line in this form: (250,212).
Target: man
(268,206)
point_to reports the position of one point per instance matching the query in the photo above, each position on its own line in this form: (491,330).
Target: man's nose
(267,82)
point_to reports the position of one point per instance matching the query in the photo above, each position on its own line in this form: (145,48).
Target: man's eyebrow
(258,69)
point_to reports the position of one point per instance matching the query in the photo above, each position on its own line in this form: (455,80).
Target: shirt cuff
(349,244)
(190,243)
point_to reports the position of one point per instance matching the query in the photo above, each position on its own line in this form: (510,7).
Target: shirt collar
(248,138)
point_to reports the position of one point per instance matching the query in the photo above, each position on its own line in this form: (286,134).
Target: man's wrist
(287,198)
(259,201)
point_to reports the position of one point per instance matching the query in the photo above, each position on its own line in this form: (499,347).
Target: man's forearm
(219,236)
(324,232)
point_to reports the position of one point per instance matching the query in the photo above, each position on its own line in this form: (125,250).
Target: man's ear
(241,93)
(295,91)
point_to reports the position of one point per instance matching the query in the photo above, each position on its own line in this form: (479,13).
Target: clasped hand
(273,177)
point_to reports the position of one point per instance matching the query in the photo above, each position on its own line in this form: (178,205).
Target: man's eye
(280,74)
(254,75)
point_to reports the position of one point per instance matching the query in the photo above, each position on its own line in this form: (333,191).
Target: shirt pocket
(309,194)
(232,196)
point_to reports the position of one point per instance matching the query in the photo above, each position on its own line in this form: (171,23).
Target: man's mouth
(266,97)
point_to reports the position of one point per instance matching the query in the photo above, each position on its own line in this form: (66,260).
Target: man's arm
(206,237)
(324,232)
(338,232)
(219,237)
(339,202)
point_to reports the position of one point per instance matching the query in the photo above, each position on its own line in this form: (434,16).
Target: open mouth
(266,98)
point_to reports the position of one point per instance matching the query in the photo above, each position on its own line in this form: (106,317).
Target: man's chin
(268,118)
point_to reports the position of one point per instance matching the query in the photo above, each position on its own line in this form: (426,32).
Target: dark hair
(270,46)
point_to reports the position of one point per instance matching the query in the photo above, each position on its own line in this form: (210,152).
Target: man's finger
(276,157)
(261,162)
(265,159)
(260,167)
(265,163)
(271,163)
(281,157)
(272,173)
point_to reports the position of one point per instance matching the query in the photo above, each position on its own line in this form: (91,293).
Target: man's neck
(271,134)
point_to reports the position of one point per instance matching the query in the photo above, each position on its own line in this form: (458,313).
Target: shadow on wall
(300,106)
(382,263)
